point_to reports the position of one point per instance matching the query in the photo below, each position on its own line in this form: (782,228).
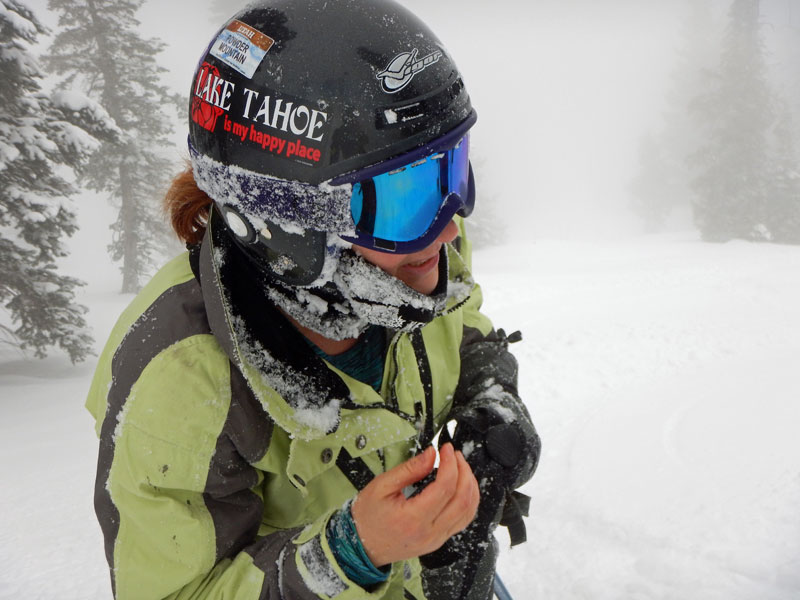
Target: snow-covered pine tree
(732,184)
(787,160)
(785,22)
(40,136)
(662,183)
(99,50)
(782,217)
(784,25)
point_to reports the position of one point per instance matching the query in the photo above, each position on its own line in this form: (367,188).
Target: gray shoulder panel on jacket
(234,508)
(176,314)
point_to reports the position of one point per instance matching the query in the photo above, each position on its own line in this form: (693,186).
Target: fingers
(392,527)
(451,501)
(404,474)
(437,494)
(463,505)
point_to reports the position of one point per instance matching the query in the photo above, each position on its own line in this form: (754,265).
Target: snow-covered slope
(664,376)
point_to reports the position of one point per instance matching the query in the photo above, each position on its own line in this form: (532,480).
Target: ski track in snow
(661,373)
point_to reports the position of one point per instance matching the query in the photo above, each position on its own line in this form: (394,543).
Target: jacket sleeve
(488,381)
(488,373)
(179,499)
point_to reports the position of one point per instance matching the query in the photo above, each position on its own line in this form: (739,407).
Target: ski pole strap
(515,507)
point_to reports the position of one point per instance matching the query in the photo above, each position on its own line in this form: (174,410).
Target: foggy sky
(564,90)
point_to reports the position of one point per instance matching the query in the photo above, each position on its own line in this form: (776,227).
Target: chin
(425,285)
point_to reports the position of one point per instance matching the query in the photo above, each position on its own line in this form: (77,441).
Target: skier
(267,405)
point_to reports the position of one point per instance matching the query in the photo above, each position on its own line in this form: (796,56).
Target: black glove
(493,447)
(496,452)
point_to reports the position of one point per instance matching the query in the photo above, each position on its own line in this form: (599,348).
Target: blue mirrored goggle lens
(401,205)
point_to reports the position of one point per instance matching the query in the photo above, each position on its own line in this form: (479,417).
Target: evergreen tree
(653,188)
(662,183)
(99,50)
(40,135)
(785,22)
(782,218)
(732,189)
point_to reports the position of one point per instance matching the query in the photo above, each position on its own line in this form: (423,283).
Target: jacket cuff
(320,571)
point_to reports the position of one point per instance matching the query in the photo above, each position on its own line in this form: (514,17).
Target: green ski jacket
(226,444)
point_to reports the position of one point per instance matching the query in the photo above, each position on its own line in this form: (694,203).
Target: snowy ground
(662,374)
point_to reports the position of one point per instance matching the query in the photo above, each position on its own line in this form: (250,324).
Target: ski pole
(500,591)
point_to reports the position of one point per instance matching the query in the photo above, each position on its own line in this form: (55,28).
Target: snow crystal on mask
(282,264)
(333,249)
(336,321)
(291,204)
(368,295)
(365,280)
(314,303)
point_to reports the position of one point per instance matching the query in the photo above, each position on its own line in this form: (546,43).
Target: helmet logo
(402,68)
(206,104)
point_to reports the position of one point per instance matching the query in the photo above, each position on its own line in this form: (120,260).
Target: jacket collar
(298,390)
(300,393)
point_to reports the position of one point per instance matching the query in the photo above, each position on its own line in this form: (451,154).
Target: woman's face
(420,270)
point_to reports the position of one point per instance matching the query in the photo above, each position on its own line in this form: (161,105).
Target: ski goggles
(405,207)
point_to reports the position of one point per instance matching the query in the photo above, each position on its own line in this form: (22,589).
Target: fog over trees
(707,90)
(99,50)
(729,142)
(43,134)
(663,183)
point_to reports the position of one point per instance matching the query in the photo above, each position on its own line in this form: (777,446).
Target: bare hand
(393,527)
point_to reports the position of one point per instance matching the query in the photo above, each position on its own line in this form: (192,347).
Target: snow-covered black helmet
(301,110)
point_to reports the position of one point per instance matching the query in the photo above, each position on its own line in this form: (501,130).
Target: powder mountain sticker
(242,47)
(402,68)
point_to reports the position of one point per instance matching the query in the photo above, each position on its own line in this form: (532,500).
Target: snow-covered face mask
(349,295)
(353,293)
